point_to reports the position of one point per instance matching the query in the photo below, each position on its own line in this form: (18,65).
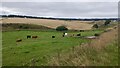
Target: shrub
(96,34)
(20,26)
(107,22)
(61,28)
(95,26)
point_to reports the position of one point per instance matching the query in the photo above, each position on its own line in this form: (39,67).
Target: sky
(67,9)
(60,0)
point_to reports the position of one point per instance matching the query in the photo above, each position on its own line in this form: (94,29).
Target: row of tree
(69,19)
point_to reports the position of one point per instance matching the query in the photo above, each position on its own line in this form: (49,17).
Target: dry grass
(75,25)
(105,38)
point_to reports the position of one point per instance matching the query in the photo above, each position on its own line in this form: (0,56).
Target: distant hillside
(18,26)
(72,25)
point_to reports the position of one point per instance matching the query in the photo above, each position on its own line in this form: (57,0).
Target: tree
(95,26)
(61,28)
(107,22)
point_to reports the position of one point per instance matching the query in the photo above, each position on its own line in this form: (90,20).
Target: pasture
(41,48)
(35,42)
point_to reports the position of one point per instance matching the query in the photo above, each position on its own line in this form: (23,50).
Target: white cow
(65,34)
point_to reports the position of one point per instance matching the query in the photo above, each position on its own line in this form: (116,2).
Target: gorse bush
(61,28)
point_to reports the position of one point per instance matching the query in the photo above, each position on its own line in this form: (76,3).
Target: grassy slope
(36,48)
(89,56)
(103,53)
(17,54)
(16,26)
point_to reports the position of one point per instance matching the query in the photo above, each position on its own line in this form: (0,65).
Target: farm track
(104,39)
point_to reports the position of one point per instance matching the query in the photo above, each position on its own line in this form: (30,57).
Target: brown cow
(18,40)
(34,36)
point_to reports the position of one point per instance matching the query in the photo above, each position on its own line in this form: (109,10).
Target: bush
(95,26)
(107,22)
(20,27)
(96,34)
(61,28)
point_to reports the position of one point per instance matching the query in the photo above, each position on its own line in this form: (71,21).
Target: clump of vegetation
(96,34)
(61,28)
(95,26)
(107,22)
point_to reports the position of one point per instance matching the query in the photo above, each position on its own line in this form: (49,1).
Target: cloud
(62,9)
(5,10)
(60,0)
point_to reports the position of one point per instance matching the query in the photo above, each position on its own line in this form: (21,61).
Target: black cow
(63,35)
(78,34)
(53,36)
(28,36)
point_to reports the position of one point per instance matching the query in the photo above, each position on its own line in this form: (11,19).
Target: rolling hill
(72,25)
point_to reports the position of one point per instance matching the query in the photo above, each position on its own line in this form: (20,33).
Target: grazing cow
(53,36)
(65,34)
(81,30)
(18,40)
(28,36)
(78,34)
(35,37)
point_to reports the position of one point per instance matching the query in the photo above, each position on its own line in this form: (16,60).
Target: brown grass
(75,25)
(105,38)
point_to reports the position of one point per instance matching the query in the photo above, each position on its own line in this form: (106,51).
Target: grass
(21,53)
(89,56)
(16,26)
(40,51)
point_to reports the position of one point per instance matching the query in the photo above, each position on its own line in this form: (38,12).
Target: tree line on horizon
(35,17)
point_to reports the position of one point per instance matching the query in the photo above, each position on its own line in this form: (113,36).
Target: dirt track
(105,39)
(75,25)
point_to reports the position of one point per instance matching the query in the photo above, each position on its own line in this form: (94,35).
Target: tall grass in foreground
(86,55)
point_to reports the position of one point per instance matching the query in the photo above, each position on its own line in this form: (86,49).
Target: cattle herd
(28,36)
(63,35)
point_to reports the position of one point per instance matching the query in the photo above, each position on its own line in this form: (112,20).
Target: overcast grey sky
(59,0)
(62,9)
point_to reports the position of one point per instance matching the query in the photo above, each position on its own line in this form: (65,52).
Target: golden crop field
(73,25)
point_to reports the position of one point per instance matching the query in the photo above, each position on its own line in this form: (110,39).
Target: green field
(42,48)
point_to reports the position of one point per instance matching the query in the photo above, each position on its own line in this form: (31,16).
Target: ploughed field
(41,48)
